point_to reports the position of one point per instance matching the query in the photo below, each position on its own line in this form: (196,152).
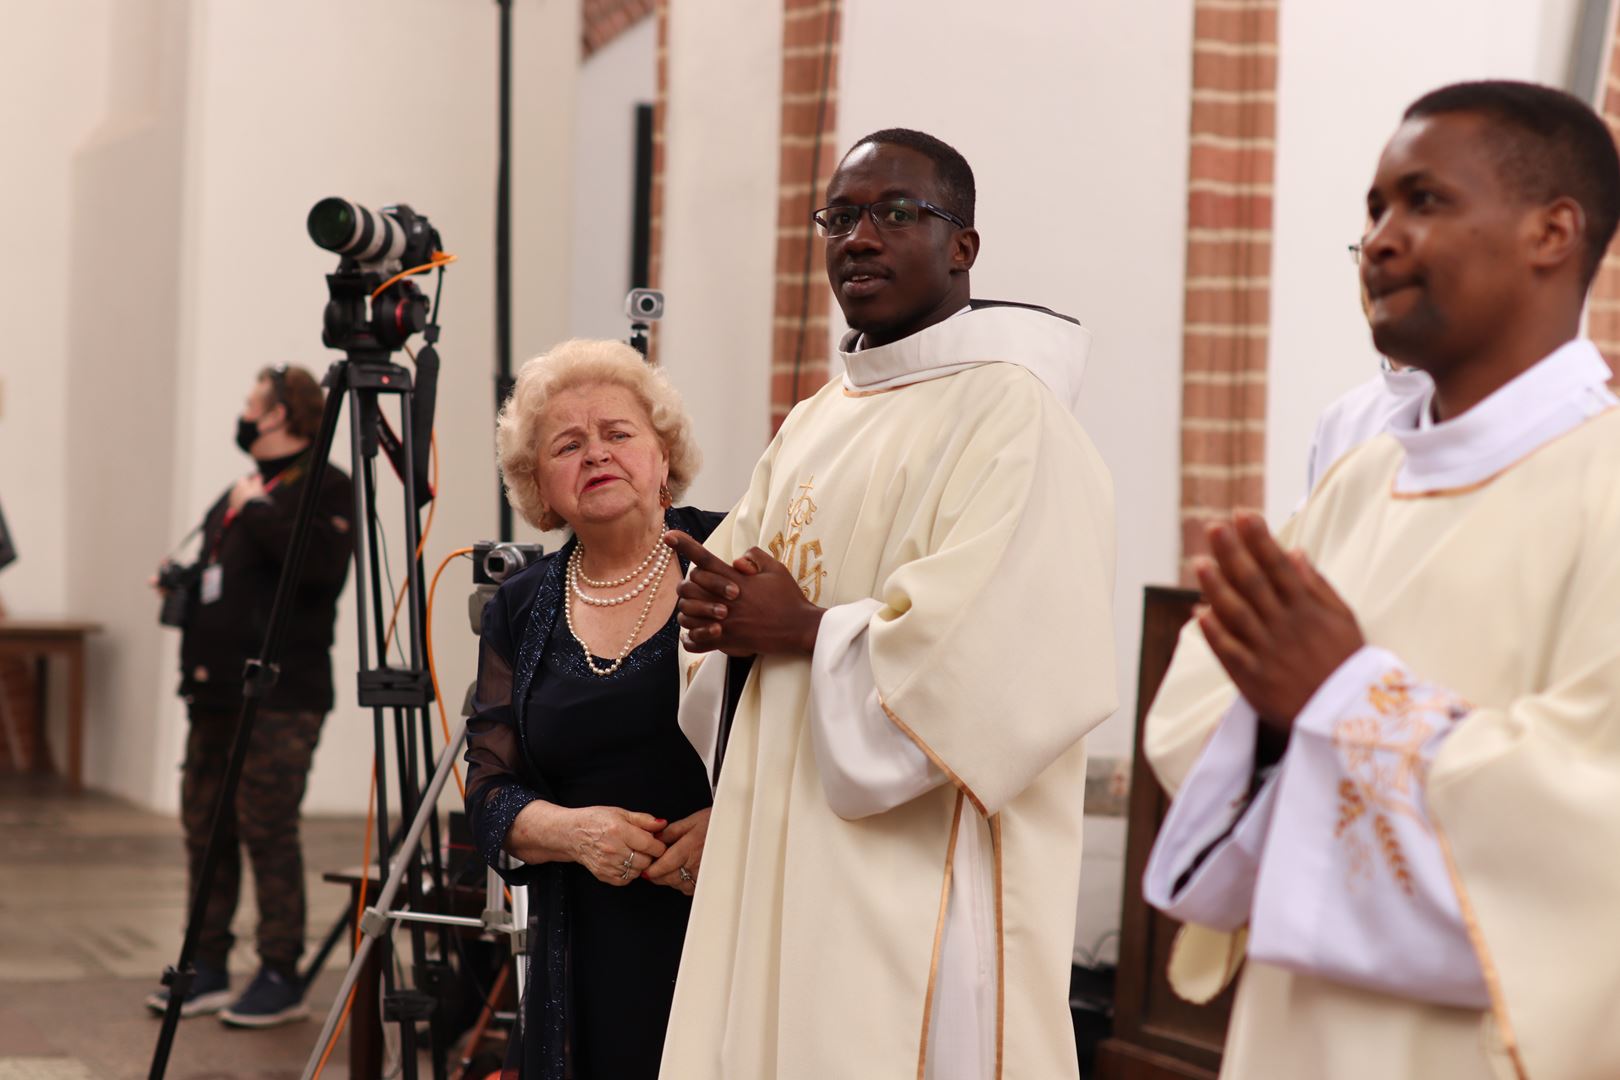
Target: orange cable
(433,669)
(421,543)
(433,673)
(440,258)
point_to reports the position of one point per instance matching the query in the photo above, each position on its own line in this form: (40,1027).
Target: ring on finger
(686,875)
(629,860)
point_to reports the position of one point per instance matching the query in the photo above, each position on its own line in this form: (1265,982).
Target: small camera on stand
(643,307)
(493,562)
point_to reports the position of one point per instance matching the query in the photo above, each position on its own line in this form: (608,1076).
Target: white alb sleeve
(1354,885)
(703,687)
(867,764)
(1206,859)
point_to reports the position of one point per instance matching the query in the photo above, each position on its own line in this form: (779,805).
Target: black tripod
(366,375)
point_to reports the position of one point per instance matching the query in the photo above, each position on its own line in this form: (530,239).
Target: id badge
(213,581)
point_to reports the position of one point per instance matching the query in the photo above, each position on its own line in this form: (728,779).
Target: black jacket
(221,637)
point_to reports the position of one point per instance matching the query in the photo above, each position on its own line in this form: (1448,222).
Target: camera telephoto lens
(350,229)
(332,223)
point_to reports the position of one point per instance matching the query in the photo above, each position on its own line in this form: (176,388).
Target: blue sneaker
(270,999)
(210,992)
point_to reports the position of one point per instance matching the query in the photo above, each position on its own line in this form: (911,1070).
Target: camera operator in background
(245,537)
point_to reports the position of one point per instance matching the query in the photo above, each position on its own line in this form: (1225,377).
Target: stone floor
(92,905)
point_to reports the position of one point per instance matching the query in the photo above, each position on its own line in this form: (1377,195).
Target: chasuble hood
(1050,346)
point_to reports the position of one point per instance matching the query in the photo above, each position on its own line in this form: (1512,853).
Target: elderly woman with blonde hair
(577,766)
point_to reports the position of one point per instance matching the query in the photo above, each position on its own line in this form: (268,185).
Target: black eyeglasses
(890,215)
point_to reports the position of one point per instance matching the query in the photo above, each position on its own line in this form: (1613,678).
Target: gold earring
(665,497)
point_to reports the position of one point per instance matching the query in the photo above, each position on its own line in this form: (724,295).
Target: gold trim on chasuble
(874,393)
(1487,966)
(1001,948)
(939,935)
(994,821)
(939,763)
(789,544)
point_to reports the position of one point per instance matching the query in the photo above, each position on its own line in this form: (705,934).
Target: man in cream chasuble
(922,569)
(1395,749)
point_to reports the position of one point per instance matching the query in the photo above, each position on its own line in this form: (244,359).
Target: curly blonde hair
(569,366)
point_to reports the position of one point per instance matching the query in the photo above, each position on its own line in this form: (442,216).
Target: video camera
(373,247)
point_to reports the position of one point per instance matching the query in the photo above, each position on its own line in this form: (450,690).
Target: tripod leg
(339,930)
(375,924)
(417,615)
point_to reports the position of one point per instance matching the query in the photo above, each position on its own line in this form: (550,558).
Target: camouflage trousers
(264,820)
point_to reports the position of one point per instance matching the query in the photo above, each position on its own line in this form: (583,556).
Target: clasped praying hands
(751,607)
(1274,623)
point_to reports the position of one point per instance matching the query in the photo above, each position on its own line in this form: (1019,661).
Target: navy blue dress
(603,975)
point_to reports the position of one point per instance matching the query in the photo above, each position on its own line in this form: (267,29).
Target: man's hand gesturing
(752,607)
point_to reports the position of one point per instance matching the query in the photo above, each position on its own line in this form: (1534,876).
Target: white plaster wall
(38,203)
(719,222)
(1343,81)
(612,82)
(174,149)
(1074,118)
(118,420)
(395,122)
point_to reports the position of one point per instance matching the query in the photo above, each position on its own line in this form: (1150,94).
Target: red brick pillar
(1228,286)
(600,21)
(809,153)
(1603,308)
(655,222)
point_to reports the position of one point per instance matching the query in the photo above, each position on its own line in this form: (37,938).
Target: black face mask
(247,433)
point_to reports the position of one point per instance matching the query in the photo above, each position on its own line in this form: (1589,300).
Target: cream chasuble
(891,871)
(1425,885)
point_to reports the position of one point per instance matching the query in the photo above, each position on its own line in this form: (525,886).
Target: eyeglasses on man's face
(1355,254)
(890,215)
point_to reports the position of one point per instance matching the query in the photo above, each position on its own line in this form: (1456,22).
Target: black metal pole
(641,201)
(503,245)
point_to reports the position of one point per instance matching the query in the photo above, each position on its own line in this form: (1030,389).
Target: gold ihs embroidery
(802,557)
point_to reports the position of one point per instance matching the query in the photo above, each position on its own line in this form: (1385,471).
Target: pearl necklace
(657,575)
(576,574)
(616,582)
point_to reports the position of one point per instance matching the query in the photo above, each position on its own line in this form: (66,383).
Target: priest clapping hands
(751,607)
(1276,626)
